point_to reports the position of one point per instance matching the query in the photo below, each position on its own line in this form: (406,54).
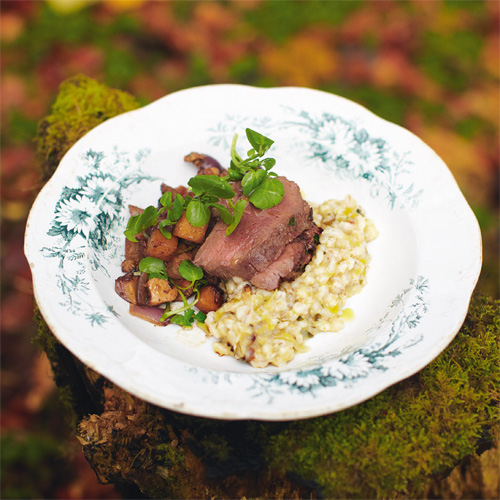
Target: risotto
(269,327)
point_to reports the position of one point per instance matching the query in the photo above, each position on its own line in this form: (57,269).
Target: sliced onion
(151,314)
(202,161)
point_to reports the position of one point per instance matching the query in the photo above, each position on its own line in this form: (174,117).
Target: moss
(82,104)
(395,441)
(170,455)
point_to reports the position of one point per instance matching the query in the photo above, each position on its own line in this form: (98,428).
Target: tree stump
(397,444)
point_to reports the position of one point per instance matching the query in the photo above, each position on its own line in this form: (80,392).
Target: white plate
(425,263)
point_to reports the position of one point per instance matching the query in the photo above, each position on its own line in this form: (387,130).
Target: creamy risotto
(264,327)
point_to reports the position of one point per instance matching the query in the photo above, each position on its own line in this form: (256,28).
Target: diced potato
(133,250)
(183,229)
(211,299)
(161,247)
(126,287)
(160,291)
(173,264)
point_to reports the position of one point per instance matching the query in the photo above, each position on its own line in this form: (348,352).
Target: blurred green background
(430,66)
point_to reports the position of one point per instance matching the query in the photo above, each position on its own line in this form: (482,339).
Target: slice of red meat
(259,239)
(290,263)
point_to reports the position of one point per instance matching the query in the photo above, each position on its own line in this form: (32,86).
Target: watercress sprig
(185,316)
(137,224)
(259,185)
(208,190)
(174,211)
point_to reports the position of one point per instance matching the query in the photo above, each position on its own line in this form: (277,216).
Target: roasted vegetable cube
(211,298)
(133,250)
(183,229)
(160,246)
(160,291)
(126,287)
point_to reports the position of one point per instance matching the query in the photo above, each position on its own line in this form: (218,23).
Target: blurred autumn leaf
(307,60)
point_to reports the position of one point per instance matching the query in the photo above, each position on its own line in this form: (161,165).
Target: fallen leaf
(11,26)
(305,60)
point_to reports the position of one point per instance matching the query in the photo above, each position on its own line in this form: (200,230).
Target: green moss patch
(81,105)
(422,426)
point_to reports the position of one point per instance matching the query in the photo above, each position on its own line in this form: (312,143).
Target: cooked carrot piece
(183,229)
(160,291)
(211,299)
(161,247)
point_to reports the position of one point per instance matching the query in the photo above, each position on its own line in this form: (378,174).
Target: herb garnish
(258,183)
(155,268)
(260,188)
(150,216)
(257,180)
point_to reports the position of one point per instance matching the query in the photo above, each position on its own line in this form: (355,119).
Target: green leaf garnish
(139,223)
(252,180)
(185,319)
(268,163)
(211,184)
(189,271)
(224,213)
(178,208)
(162,225)
(200,317)
(198,213)
(268,194)
(259,142)
(258,182)
(155,268)
(166,199)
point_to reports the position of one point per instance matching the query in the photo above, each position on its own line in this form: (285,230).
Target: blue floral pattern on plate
(84,217)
